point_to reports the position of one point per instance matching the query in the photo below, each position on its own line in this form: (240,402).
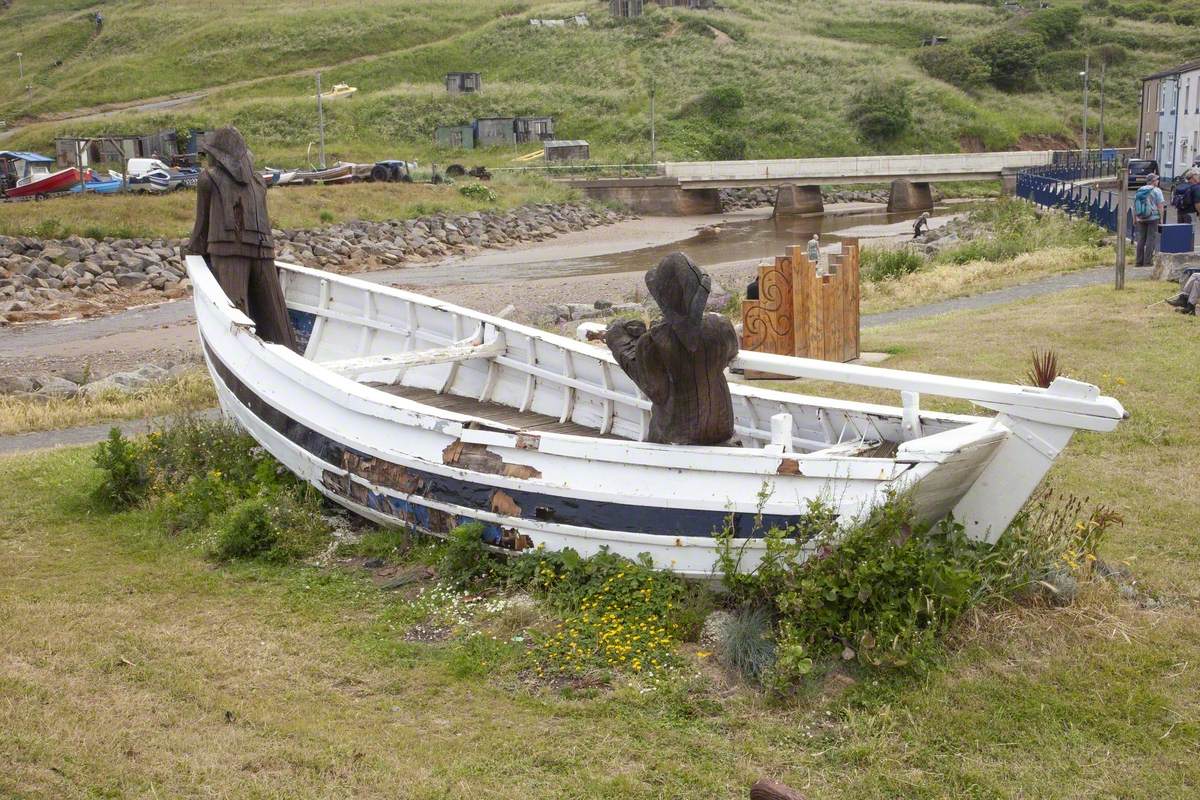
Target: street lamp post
(1103,64)
(1084,75)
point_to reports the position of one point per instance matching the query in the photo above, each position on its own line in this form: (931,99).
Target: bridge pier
(792,200)
(910,196)
(1008,180)
(661,197)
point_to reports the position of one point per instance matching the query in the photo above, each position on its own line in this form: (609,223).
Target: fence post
(1122,214)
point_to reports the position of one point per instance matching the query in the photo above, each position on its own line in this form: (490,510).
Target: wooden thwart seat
(362,365)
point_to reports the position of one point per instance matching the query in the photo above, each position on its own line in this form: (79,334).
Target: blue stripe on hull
(533,505)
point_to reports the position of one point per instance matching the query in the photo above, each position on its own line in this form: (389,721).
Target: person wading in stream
(234,234)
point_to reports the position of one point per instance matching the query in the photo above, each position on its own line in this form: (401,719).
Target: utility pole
(1103,65)
(320,122)
(1122,222)
(1086,66)
(653,142)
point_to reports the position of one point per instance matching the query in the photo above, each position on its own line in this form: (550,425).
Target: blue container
(1176,238)
(1108,154)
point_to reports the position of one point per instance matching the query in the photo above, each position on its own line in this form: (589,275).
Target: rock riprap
(48,278)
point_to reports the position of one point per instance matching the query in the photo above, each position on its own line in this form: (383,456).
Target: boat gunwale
(575,346)
(376,403)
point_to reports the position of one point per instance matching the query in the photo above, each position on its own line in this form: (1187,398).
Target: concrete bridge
(692,187)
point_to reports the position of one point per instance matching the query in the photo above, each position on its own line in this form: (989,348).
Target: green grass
(173,214)
(795,62)
(132,667)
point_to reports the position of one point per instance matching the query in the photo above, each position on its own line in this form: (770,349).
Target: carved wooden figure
(679,363)
(233,232)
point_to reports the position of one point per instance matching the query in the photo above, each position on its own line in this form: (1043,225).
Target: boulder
(16,384)
(54,386)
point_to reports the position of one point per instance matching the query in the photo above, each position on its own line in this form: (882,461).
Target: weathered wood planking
(816,317)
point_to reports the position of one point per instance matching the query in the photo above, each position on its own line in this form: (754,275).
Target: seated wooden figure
(680,361)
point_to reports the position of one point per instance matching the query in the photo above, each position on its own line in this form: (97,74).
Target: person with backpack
(1149,206)
(1186,197)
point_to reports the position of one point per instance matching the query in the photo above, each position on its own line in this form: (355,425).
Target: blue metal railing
(1052,187)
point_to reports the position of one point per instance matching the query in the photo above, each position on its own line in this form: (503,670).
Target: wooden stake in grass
(1045,368)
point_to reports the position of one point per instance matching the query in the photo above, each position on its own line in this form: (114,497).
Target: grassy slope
(133,668)
(795,61)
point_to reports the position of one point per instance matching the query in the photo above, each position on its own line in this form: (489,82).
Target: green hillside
(755,78)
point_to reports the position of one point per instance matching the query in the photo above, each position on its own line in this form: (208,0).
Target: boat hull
(402,463)
(60,181)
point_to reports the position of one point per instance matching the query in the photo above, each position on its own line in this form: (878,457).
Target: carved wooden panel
(804,314)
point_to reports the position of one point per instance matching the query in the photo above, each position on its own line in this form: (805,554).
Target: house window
(1187,95)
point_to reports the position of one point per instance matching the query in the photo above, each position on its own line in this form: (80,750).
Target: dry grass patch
(191,391)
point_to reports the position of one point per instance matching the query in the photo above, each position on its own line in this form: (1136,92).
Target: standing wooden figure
(233,232)
(680,361)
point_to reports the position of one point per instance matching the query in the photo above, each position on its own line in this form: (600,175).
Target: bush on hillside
(721,103)
(727,146)
(1012,58)
(954,64)
(881,111)
(1061,69)
(1056,24)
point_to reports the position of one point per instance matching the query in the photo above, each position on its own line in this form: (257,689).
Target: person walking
(814,251)
(921,225)
(1149,206)
(1187,204)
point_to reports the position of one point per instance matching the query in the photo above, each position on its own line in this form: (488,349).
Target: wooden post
(1122,215)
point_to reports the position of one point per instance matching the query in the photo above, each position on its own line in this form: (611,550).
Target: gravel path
(85,434)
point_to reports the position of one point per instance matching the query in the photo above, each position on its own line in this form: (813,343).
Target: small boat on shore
(338,173)
(92,183)
(24,174)
(339,90)
(417,413)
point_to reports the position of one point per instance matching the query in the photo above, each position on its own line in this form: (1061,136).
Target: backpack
(1181,198)
(1143,206)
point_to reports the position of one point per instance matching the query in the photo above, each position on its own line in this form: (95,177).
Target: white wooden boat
(414,412)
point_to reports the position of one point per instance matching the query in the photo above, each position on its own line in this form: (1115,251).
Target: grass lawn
(172,215)
(132,667)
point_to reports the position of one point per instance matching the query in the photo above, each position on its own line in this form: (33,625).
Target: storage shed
(534,129)
(463,82)
(559,150)
(625,8)
(461,136)
(492,131)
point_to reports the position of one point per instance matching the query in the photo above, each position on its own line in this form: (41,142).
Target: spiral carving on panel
(767,324)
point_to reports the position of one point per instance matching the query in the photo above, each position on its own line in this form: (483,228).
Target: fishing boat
(417,413)
(93,183)
(24,174)
(338,173)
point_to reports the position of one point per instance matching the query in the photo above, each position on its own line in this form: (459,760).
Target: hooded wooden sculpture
(680,361)
(233,231)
